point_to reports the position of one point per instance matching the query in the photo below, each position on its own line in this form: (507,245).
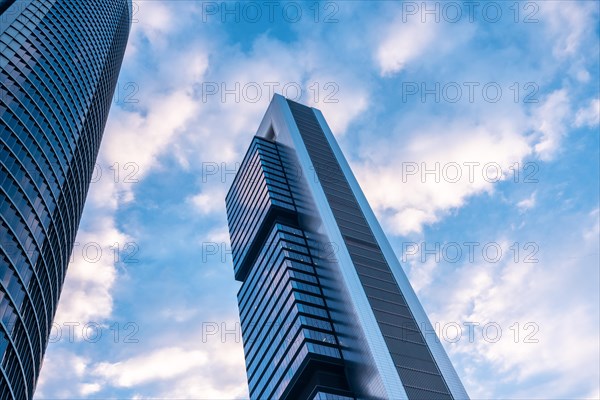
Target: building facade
(326,310)
(59,65)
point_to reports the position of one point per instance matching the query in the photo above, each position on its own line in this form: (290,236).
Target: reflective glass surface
(59,65)
(290,345)
(411,355)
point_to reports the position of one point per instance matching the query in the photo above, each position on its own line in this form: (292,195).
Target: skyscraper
(326,310)
(59,64)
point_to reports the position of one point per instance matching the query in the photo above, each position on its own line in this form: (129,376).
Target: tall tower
(326,310)
(59,64)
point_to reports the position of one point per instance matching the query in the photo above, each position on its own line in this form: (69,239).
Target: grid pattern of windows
(414,362)
(258,193)
(288,335)
(59,66)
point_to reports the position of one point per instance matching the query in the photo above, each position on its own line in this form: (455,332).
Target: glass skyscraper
(326,310)
(59,64)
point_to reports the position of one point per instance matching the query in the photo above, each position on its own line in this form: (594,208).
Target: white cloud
(140,138)
(62,366)
(527,203)
(209,201)
(160,364)
(154,20)
(421,274)
(197,385)
(222,378)
(86,295)
(177,315)
(588,116)
(550,120)
(568,25)
(404,42)
(541,134)
(554,346)
(593,233)
(406,196)
(556,313)
(200,366)
(339,98)
(220,235)
(89,388)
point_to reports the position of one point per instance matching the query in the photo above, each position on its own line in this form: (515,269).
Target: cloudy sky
(472,129)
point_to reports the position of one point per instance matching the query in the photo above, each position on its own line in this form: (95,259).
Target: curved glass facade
(59,65)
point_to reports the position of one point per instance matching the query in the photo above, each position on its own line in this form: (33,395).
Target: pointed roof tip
(280,97)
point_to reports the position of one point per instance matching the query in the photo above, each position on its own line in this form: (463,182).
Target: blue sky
(506,94)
